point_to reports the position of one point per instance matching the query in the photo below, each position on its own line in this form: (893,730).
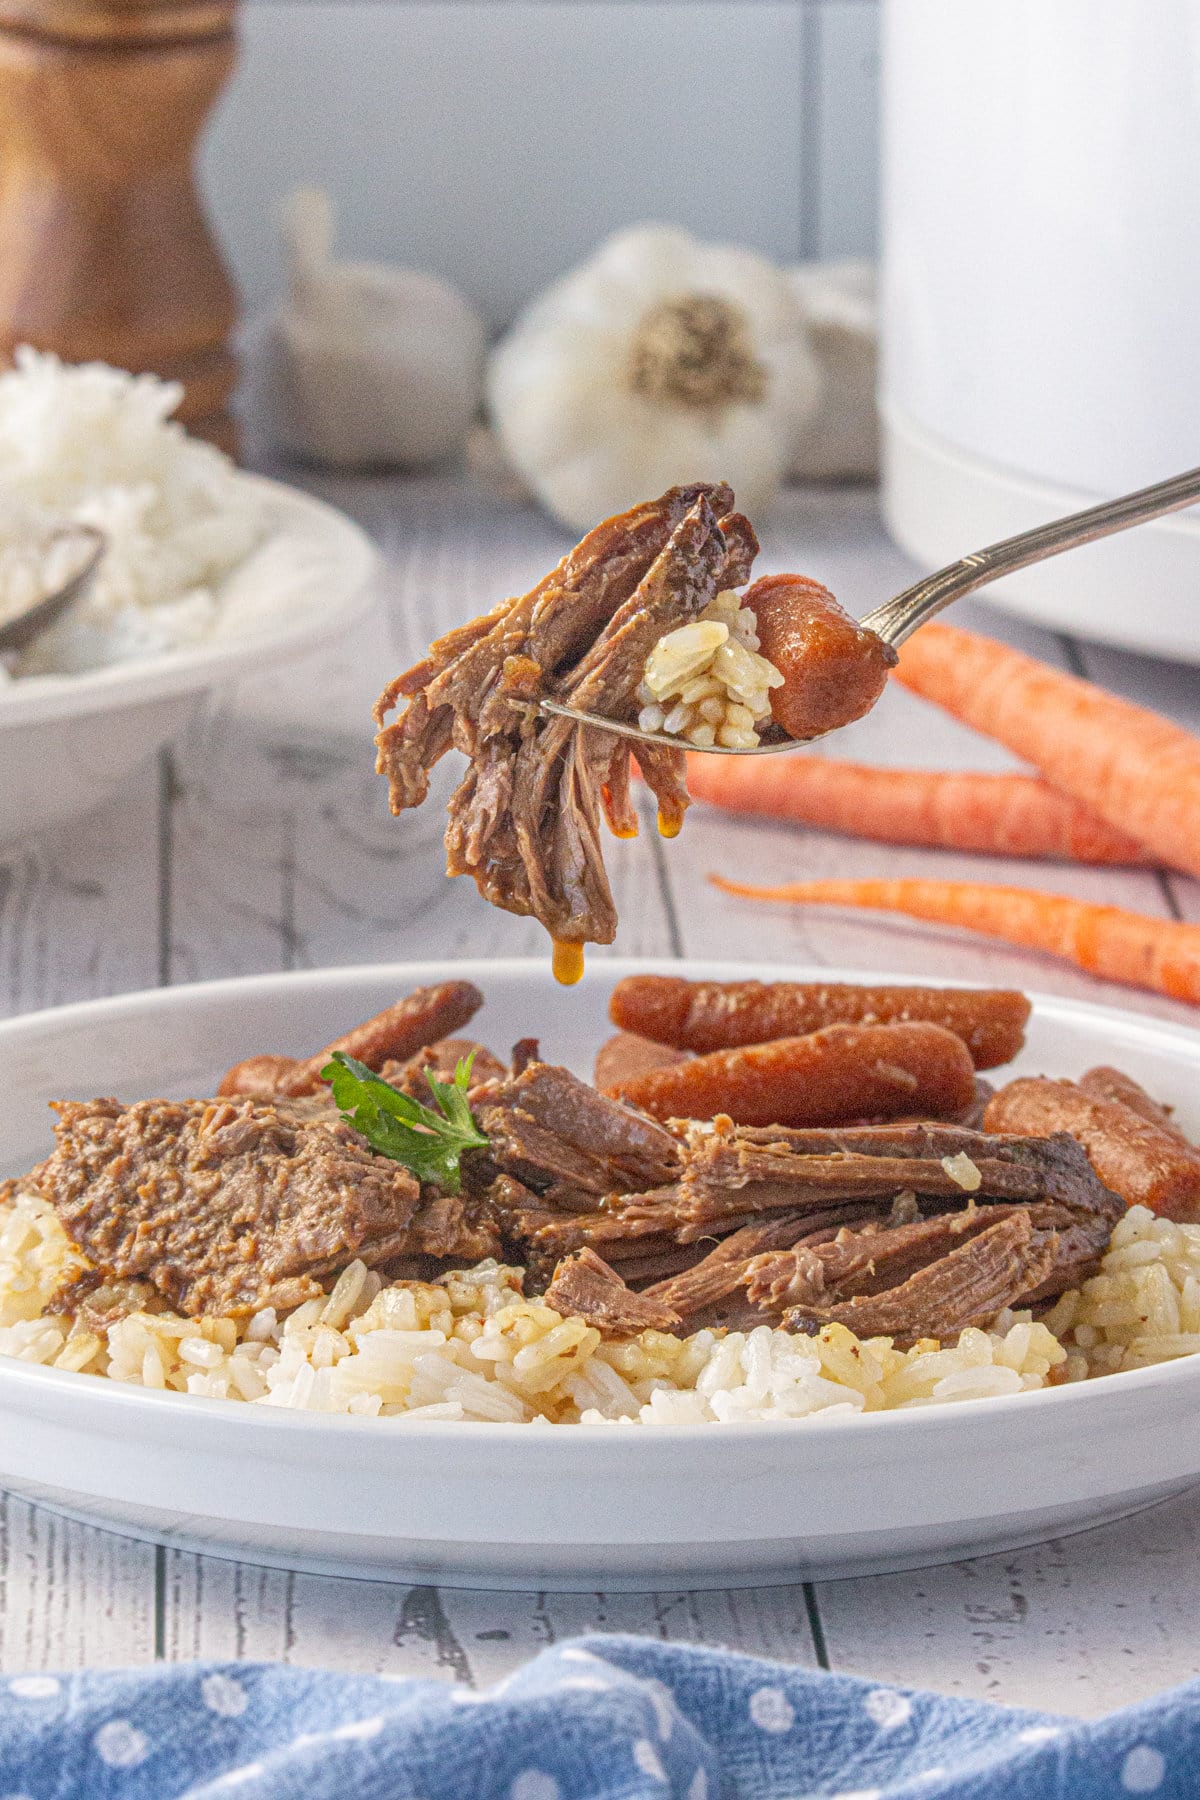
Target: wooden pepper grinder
(104,249)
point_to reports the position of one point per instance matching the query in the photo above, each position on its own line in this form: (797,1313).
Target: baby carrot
(1105,940)
(996,815)
(1137,770)
(826,1077)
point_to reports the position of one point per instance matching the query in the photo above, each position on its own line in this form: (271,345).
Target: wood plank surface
(1082,1625)
(80,909)
(225,1609)
(263,842)
(72,1596)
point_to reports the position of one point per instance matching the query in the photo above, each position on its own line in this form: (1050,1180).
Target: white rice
(470,1346)
(707,682)
(1144,1305)
(96,445)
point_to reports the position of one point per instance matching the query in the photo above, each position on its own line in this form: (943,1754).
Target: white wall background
(495,141)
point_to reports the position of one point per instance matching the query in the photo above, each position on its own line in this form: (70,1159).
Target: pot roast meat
(446,1226)
(724,1269)
(442,1058)
(570,1144)
(705,555)
(452,692)
(585,1287)
(901,1191)
(1060,1216)
(799,1221)
(968,1286)
(226,1206)
(863,1261)
(524,821)
(745,1169)
(727,1177)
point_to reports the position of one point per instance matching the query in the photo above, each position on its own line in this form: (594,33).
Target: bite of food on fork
(640,633)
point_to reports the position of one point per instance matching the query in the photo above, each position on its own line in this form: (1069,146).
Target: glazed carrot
(422,1017)
(1133,768)
(995,815)
(1105,940)
(833,668)
(256,1075)
(830,1077)
(722,1015)
(1113,1084)
(1146,1163)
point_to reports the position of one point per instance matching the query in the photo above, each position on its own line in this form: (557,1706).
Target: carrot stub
(1132,767)
(833,669)
(1158,954)
(992,815)
(721,1015)
(830,1077)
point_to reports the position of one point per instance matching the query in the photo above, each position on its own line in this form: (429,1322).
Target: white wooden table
(263,842)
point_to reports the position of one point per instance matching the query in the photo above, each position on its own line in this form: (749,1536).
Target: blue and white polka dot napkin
(604,1718)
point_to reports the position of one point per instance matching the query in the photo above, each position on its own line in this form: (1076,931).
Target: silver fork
(899,617)
(18,632)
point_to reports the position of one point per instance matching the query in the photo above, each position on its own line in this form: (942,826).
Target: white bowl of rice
(208,573)
(457,1431)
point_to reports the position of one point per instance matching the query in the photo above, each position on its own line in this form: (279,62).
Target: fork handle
(899,617)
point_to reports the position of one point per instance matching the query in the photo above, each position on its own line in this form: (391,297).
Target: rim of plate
(39,697)
(925,1419)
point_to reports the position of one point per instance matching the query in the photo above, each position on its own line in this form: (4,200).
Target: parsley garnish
(428,1143)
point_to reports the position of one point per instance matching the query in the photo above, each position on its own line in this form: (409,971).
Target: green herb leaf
(429,1143)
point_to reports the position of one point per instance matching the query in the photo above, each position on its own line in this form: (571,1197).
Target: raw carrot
(1105,940)
(1137,770)
(996,815)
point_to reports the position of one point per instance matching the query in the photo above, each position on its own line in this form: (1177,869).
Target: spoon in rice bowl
(899,617)
(73,554)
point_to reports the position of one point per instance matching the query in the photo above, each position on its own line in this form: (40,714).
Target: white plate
(67,742)
(578,1507)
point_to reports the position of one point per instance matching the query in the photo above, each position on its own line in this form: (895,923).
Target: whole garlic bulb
(839,441)
(660,360)
(367,365)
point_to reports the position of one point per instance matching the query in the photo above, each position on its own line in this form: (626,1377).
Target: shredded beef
(230,1205)
(443,1058)
(524,821)
(568,1143)
(723,1270)
(585,1287)
(808,1222)
(969,1285)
